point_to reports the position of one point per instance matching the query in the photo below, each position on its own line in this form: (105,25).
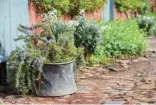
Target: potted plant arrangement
(51,61)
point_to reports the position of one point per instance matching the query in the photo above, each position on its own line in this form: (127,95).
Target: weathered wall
(153,5)
(119,15)
(95,15)
(122,15)
(35,18)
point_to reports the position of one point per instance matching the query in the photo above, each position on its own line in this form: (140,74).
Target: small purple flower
(27,28)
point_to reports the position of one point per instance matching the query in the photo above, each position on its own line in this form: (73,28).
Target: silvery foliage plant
(23,66)
(145,22)
(29,58)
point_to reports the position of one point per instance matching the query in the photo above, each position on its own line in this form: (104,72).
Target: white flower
(73,23)
(82,12)
(102,28)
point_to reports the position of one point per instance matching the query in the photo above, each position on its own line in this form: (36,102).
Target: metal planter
(58,79)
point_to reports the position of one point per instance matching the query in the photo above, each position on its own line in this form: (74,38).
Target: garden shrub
(126,5)
(56,46)
(87,35)
(87,5)
(24,66)
(120,39)
(153,29)
(146,23)
(145,8)
(44,6)
(129,7)
(71,7)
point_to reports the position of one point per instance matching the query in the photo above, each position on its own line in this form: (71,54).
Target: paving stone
(118,61)
(124,61)
(119,102)
(9,97)
(147,83)
(153,55)
(88,74)
(124,89)
(76,100)
(125,66)
(107,88)
(127,100)
(154,98)
(139,75)
(38,99)
(135,60)
(97,74)
(111,68)
(144,99)
(49,102)
(89,100)
(143,59)
(86,82)
(105,77)
(61,100)
(28,102)
(102,69)
(90,96)
(83,90)
(147,86)
(83,77)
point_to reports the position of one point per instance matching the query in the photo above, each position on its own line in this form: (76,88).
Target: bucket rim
(63,63)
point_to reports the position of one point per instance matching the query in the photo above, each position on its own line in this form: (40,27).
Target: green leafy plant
(59,27)
(131,7)
(86,5)
(87,35)
(126,5)
(44,6)
(120,39)
(71,7)
(89,5)
(63,50)
(25,66)
(145,8)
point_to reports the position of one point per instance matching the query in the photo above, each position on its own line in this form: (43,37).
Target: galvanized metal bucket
(58,79)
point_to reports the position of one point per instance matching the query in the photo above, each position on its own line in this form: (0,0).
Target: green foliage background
(120,39)
(71,7)
(126,5)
